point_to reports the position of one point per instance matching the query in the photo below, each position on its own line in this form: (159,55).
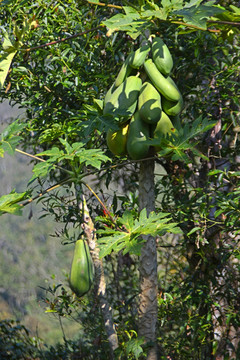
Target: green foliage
(132,348)
(16,343)
(9,203)
(10,138)
(129,238)
(197,14)
(179,145)
(135,21)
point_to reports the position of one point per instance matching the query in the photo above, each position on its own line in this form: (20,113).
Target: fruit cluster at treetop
(143,100)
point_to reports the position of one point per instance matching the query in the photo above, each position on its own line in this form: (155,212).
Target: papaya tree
(112,95)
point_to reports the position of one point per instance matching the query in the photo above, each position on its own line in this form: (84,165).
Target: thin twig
(30,155)
(61,325)
(193,26)
(223,22)
(45,192)
(102,4)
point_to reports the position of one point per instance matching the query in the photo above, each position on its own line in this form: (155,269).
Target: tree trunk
(148,264)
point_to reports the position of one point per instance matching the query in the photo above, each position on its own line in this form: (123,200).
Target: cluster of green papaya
(143,100)
(82,269)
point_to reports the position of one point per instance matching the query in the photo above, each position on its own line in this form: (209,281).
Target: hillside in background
(30,258)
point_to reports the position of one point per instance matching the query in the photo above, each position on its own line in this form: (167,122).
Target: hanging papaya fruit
(82,269)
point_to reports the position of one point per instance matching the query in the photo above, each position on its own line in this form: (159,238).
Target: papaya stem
(30,155)
(194,26)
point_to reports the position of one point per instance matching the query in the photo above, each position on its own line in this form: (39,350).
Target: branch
(45,192)
(233,23)
(30,155)
(194,26)
(102,4)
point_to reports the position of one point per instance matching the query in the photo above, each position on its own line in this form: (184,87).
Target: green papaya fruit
(123,102)
(172,108)
(117,140)
(161,55)
(109,93)
(162,84)
(82,269)
(138,133)
(138,57)
(124,72)
(163,127)
(149,103)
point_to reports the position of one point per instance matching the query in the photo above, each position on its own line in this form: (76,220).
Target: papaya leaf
(41,170)
(198,15)
(235,9)
(9,203)
(92,157)
(10,138)
(5,63)
(130,22)
(115,242)
(169,5)
(185,140)
(134,247)
(12,129)
(9,146)
(54,154)
(130,238)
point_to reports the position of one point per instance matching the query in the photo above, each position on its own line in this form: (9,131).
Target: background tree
(57,62)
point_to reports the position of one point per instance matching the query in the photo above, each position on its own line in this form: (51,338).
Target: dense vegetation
(58,60)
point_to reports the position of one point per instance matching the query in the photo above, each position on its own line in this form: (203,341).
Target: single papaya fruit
(124,72)
(162,84)
(82,269)
(117,140)
(123,101)
(138,57)
(149,103)
(163,127)
(138,133)
(172,108)
(162,57)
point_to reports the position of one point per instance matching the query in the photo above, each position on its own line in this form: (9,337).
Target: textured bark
(100,283)
(148,264)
